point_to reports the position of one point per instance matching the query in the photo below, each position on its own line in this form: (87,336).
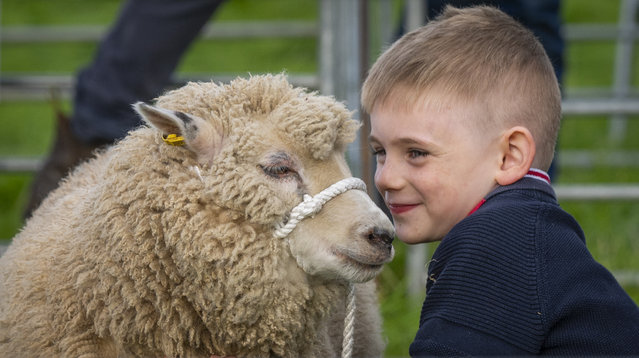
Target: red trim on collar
(481,202)
(538,174)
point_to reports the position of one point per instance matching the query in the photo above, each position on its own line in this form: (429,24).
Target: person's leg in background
(134,62)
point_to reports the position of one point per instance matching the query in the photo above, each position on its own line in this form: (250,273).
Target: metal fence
(344,36)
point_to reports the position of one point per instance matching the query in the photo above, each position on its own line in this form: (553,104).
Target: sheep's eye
(279,165)
(278,171)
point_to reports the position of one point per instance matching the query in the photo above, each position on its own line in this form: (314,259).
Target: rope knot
(311,205)
(308,207)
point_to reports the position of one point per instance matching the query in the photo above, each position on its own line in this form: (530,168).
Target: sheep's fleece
(154,250)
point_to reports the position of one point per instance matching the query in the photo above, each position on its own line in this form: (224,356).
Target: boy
(464,118)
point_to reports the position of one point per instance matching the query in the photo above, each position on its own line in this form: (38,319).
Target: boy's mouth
(400,208)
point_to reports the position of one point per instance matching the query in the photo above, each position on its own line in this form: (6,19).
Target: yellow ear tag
(173,139)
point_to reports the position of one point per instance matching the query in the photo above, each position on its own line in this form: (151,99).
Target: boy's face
(433,165)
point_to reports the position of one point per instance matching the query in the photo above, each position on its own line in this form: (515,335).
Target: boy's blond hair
(477,55)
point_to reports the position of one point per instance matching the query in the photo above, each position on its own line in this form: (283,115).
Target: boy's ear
(517,150)
(200,136)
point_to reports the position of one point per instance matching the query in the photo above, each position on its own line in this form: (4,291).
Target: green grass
(582,57)
(597,221)
(67,12)
(27,126)
(15,190)
(102,12)
(590,11)
(275,55)
(590,132)
(55,58)
(611,228)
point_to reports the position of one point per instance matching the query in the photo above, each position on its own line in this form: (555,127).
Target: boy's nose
(387,177)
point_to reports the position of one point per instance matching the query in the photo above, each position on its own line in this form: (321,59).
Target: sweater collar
(539,175)
(535,179)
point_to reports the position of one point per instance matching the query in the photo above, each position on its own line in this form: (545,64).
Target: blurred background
(327,45)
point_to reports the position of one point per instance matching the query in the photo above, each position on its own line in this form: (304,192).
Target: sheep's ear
(200,136)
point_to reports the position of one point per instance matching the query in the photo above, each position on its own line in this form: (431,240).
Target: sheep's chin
(362,267)
(336,265)
(351,271)
(355,271)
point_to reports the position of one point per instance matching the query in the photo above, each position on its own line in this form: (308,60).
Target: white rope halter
(313,204)
(309,207)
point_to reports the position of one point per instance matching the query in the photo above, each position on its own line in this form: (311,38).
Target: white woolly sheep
(155,250)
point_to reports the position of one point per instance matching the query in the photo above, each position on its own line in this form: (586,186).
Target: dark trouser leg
(134,62)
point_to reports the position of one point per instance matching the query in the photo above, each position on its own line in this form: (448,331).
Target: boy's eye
(414,153)
(378,152)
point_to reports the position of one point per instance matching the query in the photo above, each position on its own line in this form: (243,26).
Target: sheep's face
(292,145)
(350,238)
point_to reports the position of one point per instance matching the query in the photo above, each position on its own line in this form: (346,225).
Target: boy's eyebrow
(404,140)
(408,140)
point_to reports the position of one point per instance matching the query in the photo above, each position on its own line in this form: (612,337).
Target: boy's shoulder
(521,226)
(522,250)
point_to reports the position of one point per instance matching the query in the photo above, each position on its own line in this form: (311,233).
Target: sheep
(158,250)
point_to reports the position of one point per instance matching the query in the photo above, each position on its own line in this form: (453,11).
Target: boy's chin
(417,242)
(416,239)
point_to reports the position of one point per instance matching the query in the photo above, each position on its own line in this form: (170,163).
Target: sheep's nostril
(380,237)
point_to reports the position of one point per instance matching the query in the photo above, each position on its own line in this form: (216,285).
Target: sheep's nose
(381,238)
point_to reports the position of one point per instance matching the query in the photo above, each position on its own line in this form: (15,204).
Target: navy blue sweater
(515,278)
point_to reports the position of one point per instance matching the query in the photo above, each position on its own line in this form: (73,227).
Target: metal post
(364,145)
(326,47)
(623,64)
(0,45)
(377,36)
(385,22)
(415,13)
(340,61)
(415,255)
